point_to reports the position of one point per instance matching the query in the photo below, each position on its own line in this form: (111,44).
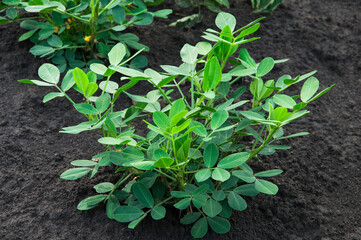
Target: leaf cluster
(198,152)
(77,33)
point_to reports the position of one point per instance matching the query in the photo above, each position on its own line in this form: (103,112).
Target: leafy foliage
(197,154)
(75,33)
(265,6)
(190,21)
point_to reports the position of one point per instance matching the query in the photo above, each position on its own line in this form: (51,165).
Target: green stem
(166,175)
(270,135)
(120,182)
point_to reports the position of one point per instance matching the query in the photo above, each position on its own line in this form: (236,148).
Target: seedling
(197,155)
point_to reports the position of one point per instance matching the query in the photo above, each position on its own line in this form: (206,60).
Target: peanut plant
(198,152)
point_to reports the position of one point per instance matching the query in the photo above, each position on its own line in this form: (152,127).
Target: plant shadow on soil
(319,196)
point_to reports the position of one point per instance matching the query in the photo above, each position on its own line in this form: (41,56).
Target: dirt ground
(320,191)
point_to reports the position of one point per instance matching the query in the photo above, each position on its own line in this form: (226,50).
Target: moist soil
(319,192)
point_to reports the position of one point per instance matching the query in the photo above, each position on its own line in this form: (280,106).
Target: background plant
(191,20)
(265,6)
(198,153)
(74,33)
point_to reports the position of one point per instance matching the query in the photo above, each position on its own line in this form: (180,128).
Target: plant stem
(166,175)
(254,153)
(120,182)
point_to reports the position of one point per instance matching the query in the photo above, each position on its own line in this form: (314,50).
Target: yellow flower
(68,27)
(87,38)
(69,20)
(56,29)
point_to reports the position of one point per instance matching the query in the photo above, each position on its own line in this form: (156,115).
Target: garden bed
(319,192)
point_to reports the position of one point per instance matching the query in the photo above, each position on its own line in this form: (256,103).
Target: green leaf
(269,173)
(309,89)
(143,195)
(203,47)
(36,82)
(98,68)
(203,175)
(212,208)
(266,187)
(49,73)
(265,66)
(161,120)
(75,173)
(51,96)
(117,54)
(86,108)
(104,187)
(202,189)
(127,213)
(181,127)
(244,175)
(233,160)
(158,213)
(199,200)
(135,223)
(91,202)
(247,190)
(180,194)
(200,228)
(68,81)
(55,41)
(212,75)
(294,135)
(200,130)
(190,218)
(159,153)
(223,19)
(112,204)
(284,100)
(321,93)
(219,174)
(119,14)
(158,190)
(177,107)
(219,195)
(219,225)
(111,87)
(11,2)
(219,118)
(189,54)
(164,162)
(39,50)
(81,79)
(102,102)
(83,163)
(178,117)
(110,140)
(183,204)
(91,89)
(143,165)
(11,13)
(129,72)
(236,202)
(210,155)
(27,35)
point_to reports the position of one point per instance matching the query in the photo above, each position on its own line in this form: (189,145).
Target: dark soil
(319,196)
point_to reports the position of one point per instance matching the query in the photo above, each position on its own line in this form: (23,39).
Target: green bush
(198,152)
(77,33)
